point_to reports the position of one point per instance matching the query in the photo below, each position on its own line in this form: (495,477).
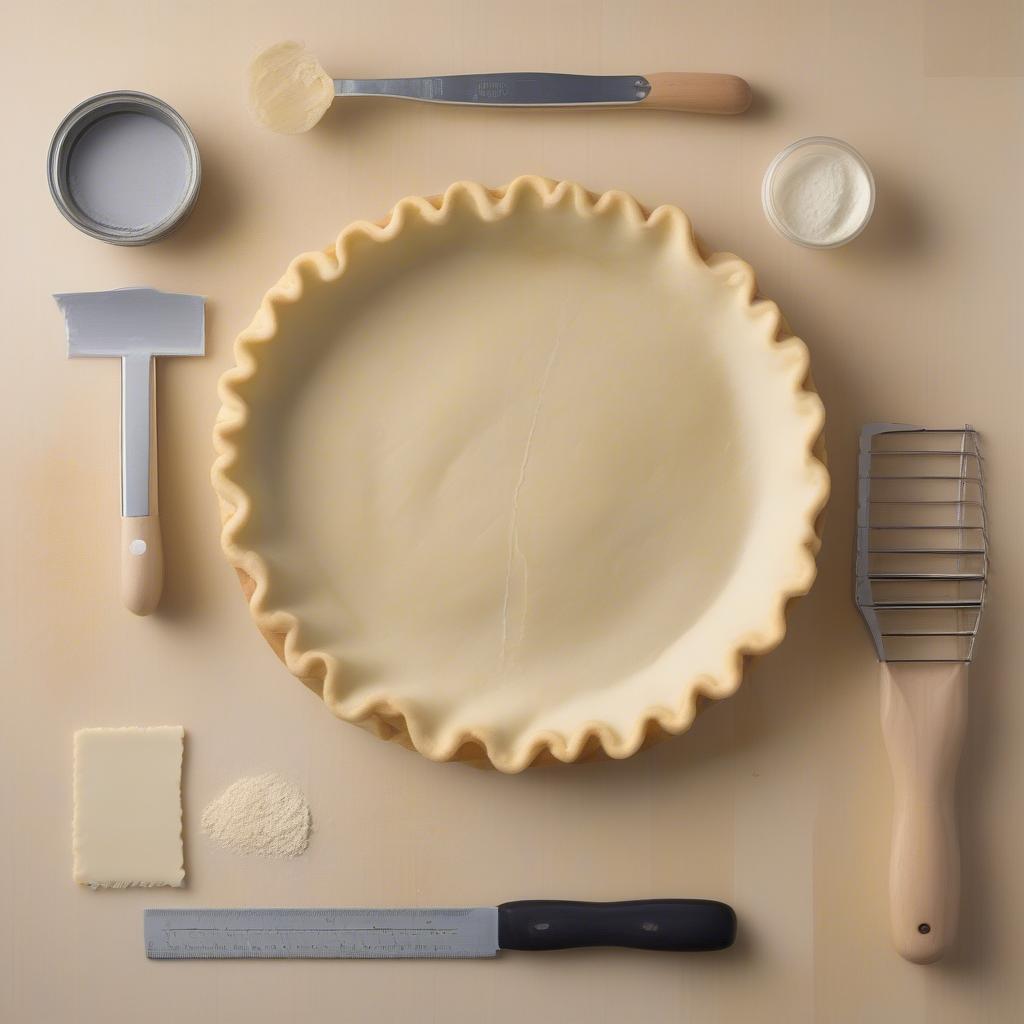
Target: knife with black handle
(678,926)
(672,925)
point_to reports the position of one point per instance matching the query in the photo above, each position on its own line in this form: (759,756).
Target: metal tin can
(149,184)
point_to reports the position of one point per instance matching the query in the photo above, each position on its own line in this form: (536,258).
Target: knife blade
(677,925)
(506,89)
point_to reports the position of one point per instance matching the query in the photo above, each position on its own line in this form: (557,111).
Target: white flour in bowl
(262,815)
(820,192)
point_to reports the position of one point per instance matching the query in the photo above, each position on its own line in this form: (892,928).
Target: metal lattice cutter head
(922,541)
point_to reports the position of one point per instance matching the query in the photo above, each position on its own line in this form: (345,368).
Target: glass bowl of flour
(818,192)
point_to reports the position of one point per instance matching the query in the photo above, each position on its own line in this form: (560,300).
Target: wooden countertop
(778,801)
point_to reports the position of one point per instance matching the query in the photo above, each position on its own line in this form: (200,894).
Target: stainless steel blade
(133,321)
(319,934)
(512,89)
(134,324)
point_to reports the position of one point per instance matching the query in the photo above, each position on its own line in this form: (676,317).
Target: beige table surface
(779,799)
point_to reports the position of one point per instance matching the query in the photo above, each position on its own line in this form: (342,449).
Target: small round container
(124,167)
(835,218)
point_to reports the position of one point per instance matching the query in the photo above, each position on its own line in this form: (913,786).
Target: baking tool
(289,91)
(819,192)
(681,926)
(687,91)
(921,570)
(135,325)
(435,562)
(124,167)
(127,818)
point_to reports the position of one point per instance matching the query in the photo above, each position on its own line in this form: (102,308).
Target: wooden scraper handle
(924,717)
(696,92)
(142,563)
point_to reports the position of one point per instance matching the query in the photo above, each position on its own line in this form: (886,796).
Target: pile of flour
(821,194)
(263,815)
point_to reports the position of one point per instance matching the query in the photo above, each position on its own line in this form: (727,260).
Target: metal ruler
(314,934)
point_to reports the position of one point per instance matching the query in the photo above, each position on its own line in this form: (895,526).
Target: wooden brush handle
(924,717)
(142,563)
(697,92)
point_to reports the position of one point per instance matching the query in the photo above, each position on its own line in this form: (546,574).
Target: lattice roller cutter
(921,568)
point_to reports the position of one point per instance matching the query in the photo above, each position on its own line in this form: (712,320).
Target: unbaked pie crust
(518,475)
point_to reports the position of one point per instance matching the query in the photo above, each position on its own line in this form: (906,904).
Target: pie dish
(519,475)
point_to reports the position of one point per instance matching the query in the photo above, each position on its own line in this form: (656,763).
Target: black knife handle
(681,926)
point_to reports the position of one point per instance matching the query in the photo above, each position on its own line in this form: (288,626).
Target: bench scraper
(136,324)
